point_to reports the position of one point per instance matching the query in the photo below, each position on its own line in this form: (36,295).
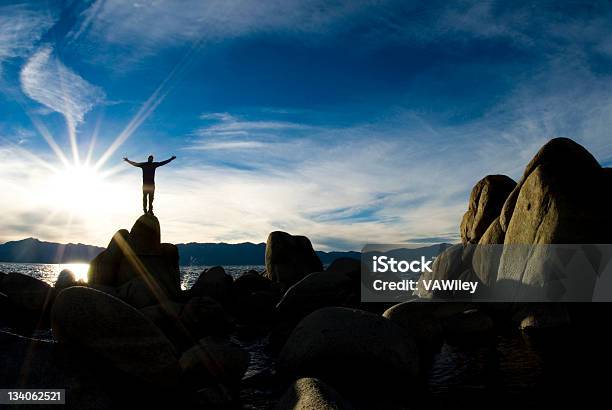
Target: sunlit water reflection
(48,272)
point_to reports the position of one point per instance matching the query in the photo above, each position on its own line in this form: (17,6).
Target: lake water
(48,272)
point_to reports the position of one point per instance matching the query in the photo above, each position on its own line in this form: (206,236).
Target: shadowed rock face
(143,270)
(346,347)
(145,235)
(289,258)
(564,197)
(486,201)
(115,331)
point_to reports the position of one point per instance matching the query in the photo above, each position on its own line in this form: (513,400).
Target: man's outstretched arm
(136,164)
(159,164)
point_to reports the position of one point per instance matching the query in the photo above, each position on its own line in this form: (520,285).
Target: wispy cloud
(20,29)
(48,81)
(224,131)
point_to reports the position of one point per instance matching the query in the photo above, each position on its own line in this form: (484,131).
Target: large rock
(104,267)
(203,316)
(144,270)
(214,283)
(116,332)
(65,279)
(311,394)
(455,263)
(486,201)
(562,198)
(317,290)
(419,318)
(38,364)
(289,258)
(26,293)
(351,349)
(145,235)
(166,316)
(214,360)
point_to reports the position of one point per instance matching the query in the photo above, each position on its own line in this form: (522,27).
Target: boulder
(103,268)
(453,263)
(487,254)
(214,360)
(486,201)
(52,364)
(352,349)
(561,199)
(140,293)
(348,266)
(289,258)
(145,236)
(420,321)
(31,295)
(494,235)
(317,290)
(310,394)
(65,279)
(214,283)
(166,316)
(250,282)
(115,332)
(203,316)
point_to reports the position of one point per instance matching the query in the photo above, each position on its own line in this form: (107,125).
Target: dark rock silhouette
(422,323)
(65,279)
(117,332)
(485,204)
(309,393)
(213,282)
(142,269)
(289,258)
(337,286)
(213,360)
(356,351)
(28,294)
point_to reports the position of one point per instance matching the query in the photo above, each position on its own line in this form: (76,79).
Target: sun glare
(79,270)
(80,189)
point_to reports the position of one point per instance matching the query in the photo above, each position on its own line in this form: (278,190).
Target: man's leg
(144,201)
(151,197)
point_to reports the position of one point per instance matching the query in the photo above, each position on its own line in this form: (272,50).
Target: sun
(80,189)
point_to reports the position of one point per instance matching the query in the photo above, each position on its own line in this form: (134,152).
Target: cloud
(20,29)
(48,81)
(225,131)
(146,27)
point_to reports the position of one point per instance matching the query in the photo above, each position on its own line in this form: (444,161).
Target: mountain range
(32,250)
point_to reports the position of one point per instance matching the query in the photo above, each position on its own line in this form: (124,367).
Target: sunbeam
(151,103)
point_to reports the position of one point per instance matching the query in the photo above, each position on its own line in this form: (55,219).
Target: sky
(351,122)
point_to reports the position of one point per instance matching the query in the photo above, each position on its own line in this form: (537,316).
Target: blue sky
(350,122)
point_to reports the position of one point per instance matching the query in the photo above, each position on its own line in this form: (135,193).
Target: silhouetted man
(148,179)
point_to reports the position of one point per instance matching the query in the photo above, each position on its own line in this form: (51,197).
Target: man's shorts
(148,188)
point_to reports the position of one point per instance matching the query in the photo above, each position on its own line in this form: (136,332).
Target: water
(48,272)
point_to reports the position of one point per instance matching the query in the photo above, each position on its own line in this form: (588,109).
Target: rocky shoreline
(131,336)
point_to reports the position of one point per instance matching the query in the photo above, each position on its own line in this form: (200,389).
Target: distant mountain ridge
(32,250)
